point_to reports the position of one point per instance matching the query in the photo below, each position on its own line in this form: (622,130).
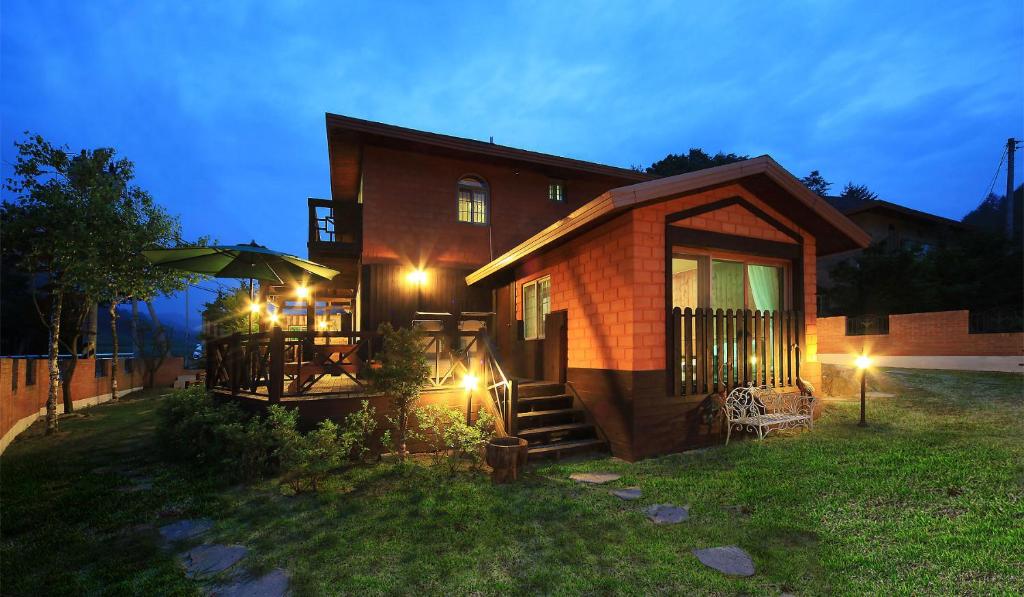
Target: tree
(63,199)
(817,183)
(128,275)
(696,159)
(228,312)
(858,193)
(991,214)
(403,371)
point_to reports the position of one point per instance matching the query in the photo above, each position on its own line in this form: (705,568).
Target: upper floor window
(556,190)
(473,201)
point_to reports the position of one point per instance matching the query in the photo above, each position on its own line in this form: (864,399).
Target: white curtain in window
(764,287)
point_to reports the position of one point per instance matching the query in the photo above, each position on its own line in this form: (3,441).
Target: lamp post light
(863,362)
(469,382)
(254,308)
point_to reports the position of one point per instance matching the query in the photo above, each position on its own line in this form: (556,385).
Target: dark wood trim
(716,205)
(675,235)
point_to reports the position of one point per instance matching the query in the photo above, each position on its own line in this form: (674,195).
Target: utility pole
(1011,145)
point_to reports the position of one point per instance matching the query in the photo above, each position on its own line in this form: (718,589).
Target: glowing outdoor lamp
(417,277)
(302,292)
(469,382)
(274,319)
(322,325)
(863,362)
(254,308)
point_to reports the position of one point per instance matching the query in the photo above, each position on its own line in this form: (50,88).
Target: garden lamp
(469,382)
(863,362)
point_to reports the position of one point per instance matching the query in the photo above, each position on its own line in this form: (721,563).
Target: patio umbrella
(250,261)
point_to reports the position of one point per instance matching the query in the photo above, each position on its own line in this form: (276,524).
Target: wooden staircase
(547,419)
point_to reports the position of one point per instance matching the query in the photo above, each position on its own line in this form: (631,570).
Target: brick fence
(939,340)
(25,383)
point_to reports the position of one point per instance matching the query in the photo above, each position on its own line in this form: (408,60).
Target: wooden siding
(387,296)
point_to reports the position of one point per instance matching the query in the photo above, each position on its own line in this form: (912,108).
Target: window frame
(705,258)
(560,195)
(460,186)
(539,315)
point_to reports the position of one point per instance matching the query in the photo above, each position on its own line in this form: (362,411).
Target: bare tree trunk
(113,360)
(91,323)
(161,336)
(56,303)
(136,341)
(72,347)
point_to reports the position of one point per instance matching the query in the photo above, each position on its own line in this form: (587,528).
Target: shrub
(402,373)
(451,440)
(305,460)
(356,432)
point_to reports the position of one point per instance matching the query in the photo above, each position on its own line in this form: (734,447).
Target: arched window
(473,200)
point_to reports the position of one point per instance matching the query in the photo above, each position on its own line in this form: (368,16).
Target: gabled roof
(833,231)
(850,206)
(345,136)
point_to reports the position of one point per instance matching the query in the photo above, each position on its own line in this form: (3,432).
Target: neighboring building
(895,226)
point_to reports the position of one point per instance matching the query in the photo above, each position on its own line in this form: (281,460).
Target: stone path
(666,514)
(185,529)
(594,478)
(629,493)
(728,560)
(209,560)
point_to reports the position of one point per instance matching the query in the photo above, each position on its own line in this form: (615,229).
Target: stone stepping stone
(728,560)
(273,584)
(594,478)
(630,493)
(210,559)
(666,514)
(185,529)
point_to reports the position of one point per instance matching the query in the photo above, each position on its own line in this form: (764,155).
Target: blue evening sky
(221,104)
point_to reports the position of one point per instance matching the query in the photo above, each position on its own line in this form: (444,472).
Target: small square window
(556,191)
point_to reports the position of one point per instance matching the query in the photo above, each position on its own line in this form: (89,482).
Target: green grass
(927,500)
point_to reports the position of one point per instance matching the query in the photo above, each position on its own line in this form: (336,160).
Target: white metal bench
(761,410)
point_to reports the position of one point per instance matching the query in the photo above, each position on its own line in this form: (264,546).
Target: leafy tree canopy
(696,159)
(228,312)
(817,183)
(858,193)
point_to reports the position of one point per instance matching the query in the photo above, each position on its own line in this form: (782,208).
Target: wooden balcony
(713,351)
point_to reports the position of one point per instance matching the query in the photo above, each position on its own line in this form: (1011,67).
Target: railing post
(211,363)
(235,362)
(275,381)
(513,407)
(675,350)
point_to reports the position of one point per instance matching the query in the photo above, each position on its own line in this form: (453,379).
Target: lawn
(927,500)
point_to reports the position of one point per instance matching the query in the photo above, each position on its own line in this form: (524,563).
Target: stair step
(548,413)
(559,447)
(556,428)
(542,398)
(540,388)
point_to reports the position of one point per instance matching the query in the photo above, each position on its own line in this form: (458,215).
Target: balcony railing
(302,364)
(714,350)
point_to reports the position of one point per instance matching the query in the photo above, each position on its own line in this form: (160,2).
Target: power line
(995,176)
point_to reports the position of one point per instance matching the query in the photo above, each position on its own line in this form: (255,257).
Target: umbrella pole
(252,299)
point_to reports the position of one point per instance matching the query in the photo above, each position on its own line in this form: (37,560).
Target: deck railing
(715,350)
(284,364)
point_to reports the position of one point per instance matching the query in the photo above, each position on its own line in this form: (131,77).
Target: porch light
(274,318)
(417,277)
(322,325)
(302,292)
(469,382)
(254,307)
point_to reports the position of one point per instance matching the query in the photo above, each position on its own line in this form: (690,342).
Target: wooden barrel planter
(505,455)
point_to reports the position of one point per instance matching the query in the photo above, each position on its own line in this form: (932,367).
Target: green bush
(219,438)
(451,440)
(305,459)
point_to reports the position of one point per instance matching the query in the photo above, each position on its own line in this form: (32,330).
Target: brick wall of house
(611,280)
(20,400)
(410,207)
(942,333)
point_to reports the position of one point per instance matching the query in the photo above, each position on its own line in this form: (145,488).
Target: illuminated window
(536,306)
(556,191)
(472,201)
